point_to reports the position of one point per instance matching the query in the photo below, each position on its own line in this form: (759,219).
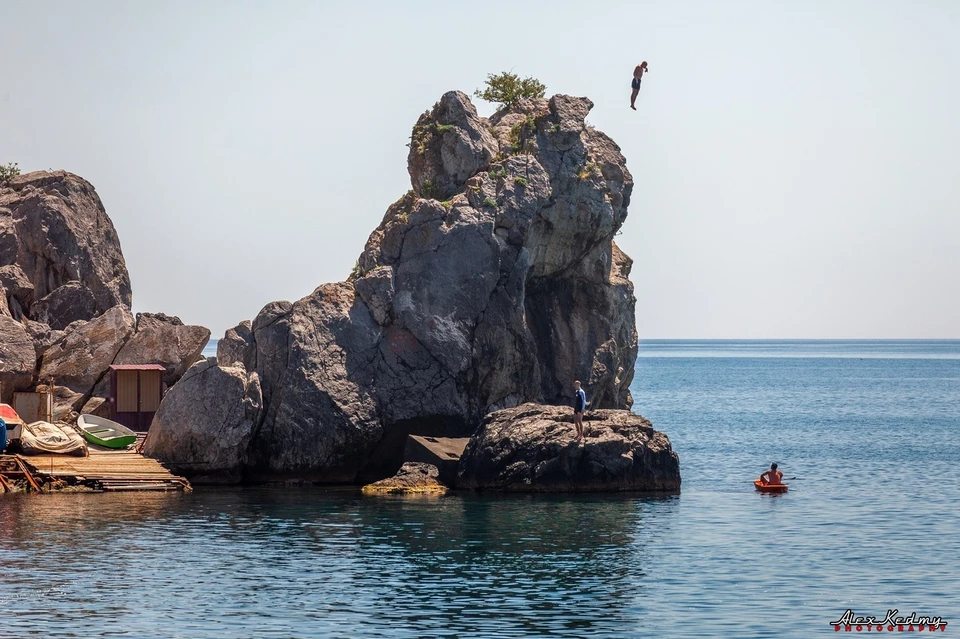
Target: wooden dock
(104,469)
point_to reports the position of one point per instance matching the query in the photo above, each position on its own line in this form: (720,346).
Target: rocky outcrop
(449,145)
(530,448)
(413,478)
(54,230)
(165,340)
(517,274)
(205,423)
(495,281)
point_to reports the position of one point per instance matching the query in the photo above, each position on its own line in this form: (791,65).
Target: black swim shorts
(636,83)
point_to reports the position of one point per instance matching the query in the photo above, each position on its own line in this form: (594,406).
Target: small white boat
(104,432)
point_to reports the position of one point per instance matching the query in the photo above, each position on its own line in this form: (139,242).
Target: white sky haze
(796,163)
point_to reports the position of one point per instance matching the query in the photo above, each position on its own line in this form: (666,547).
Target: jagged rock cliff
(495,281)
(65,296)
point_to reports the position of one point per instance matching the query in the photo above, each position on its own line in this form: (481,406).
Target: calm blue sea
(869,430)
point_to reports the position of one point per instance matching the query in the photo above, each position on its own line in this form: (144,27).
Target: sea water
(869,430)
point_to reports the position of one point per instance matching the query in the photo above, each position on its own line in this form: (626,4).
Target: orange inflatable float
(769,488)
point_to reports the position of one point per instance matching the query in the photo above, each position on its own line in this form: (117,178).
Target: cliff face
(495,281)
(65,297)
(513,283)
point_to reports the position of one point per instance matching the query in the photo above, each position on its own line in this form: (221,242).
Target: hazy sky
(796,163)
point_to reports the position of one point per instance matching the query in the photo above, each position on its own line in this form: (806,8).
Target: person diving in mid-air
(637,77)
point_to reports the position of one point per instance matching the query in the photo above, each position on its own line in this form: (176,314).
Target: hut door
(137,393)
(128,399)
(149,398)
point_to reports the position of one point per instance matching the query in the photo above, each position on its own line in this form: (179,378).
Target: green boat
(104,432)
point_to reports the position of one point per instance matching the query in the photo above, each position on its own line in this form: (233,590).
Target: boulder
(18,358)
(412,478)
(530,448)
(165,340)
(204,425)
(80,358)
(67,304)
(237,347)
(376,289)
(54,229)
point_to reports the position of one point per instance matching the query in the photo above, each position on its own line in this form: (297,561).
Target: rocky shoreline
(485,291)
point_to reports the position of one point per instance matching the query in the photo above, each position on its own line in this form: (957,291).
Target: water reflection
(320,562)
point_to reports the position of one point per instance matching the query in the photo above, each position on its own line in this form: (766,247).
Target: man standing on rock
(579,405)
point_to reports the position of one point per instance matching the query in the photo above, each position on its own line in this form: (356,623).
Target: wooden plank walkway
(108,470)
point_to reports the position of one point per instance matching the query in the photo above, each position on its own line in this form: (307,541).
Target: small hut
(135,394)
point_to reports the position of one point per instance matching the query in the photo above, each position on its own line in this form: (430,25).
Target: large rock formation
(214,410)
(531,449)
(54,230)
(494,282)
(65,297)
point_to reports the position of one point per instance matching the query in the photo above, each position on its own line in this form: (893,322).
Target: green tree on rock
(9,171)
(508,88)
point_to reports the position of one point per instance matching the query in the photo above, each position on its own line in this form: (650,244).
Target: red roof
(137,367)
